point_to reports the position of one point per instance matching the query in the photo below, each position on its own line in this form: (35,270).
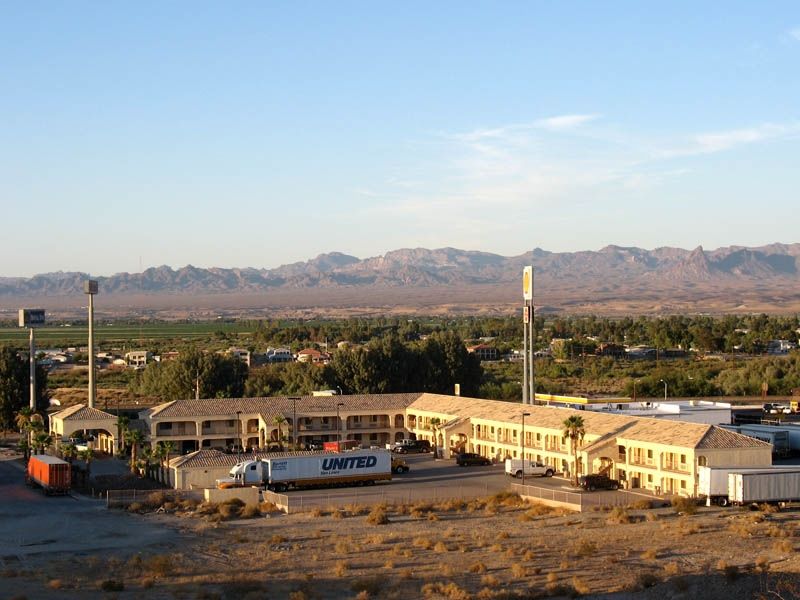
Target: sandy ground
(479,549)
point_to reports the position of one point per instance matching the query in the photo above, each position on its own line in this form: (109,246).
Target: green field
(78,335)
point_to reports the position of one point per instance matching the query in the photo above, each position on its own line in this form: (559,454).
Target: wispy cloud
(795,33)
(565,122)
(720,141)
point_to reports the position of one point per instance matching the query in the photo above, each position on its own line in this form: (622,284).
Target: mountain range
(612,269)
(443,266)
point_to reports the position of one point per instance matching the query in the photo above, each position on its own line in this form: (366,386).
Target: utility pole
(90,289)
(528,394)
(31,318)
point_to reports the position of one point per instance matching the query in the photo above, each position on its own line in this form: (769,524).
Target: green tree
(574,429)
(87,455)
(69,452)
(279,420)
(15,386)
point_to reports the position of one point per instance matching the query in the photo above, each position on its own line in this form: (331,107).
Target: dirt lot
(492,548)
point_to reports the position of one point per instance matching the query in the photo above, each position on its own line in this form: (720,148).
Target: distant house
(613,350)
(483,351)
(241,353)
(780,346)
(310,355)
(138,359)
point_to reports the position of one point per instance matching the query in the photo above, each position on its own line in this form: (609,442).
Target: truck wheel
(518,474)
(615,486)
(404,469)
(549,473)
(723,502)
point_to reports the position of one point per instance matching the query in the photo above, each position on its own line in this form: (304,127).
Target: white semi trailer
(713,481)
(327,469)
(768,486)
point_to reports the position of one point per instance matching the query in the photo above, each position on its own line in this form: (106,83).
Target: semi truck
(52,474)
(770,486)
(294,472)
(712,482)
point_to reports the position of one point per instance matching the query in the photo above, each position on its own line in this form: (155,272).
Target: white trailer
(326,469)
(769,486)
(713,481)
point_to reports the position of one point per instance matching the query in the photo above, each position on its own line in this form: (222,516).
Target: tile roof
(643,429)
(210,457)
(81,412)
(282,405)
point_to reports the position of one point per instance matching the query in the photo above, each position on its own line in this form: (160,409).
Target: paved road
(34,524)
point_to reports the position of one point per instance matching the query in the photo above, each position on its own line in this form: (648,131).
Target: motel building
(643,452)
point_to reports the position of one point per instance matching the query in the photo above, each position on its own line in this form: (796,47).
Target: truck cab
(244,474)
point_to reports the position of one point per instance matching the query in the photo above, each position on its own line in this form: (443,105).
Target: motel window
(683,459)
(325,420)
(683,485)
(492,428)
(702,461)
(373,418)
(538,437)
(649,479)
(231,423)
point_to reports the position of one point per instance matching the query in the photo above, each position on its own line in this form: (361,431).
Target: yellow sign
(527,283)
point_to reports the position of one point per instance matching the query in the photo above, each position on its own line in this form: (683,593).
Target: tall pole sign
(90,289)
(32,318)
(527,342)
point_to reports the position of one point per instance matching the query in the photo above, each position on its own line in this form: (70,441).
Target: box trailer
(52,474)
(768,486)
(713,481)
(278,474)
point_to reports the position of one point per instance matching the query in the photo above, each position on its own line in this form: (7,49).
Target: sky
(137,134)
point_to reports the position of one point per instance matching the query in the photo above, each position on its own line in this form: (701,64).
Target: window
(538,437)
(356,419)
(492,428)
(650,454)
(373,418)
(325,420)
(683,485)
(702,461)
(683,459)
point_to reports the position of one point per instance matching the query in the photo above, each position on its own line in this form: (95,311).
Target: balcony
(176,431)
(220,431)
(677,467)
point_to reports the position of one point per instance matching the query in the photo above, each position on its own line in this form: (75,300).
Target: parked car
(514,467)
(399,465)
(412,446)
(598,482)
(470,459)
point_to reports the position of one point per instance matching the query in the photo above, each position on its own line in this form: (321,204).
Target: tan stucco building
(89,421)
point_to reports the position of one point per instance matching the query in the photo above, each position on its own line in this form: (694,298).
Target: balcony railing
(175,432)
(676,466)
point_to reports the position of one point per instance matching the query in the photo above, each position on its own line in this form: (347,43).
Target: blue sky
(258,134)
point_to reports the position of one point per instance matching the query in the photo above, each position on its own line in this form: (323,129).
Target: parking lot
(429,480)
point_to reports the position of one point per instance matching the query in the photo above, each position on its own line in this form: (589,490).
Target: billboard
(527,283)
(31,317)
(90,287)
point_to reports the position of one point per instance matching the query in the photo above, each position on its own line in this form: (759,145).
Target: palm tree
(69,452)
(122,430)
(135,438)
(574,429)
(435,422)
(168,448)
(279,420)
(23,421)
(87,455)
(42,440)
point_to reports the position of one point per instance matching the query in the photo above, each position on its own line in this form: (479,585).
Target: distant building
(483,351)
(241,353)
(310,355)
(780,346)
(138,359)
(613,350)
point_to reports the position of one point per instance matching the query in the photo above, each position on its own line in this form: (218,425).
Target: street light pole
(294,422)
(525,414)
(239,433)
(665,389)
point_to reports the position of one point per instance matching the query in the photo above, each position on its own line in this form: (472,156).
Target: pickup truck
(411,446)
(514,468)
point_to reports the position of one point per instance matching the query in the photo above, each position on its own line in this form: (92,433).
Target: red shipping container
(52,474)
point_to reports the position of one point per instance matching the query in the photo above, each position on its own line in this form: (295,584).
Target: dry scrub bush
(422,542)
(490,581)
(651,516)
(641,505)
(341,568)
(650,554)
(496,548)
(768,509)
(317,513)
(449,590)
(762,564)
(432,516)
(563,565)
(342,547)
(158,565)
(560,590)
(503,535)
(135,507)
(229,510)
(189,504)
(784,546)
(580,586)
(250,511)
(440,547)
(406,574)
(55,584)
(552,577)
(777,532)
(268,507)
(378,516)
(583,547)
(619,516)
(388,564)
(681,505)
(477,567)
(645,580)
(671,569)
(369,585)
(338,513)
(518,570)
